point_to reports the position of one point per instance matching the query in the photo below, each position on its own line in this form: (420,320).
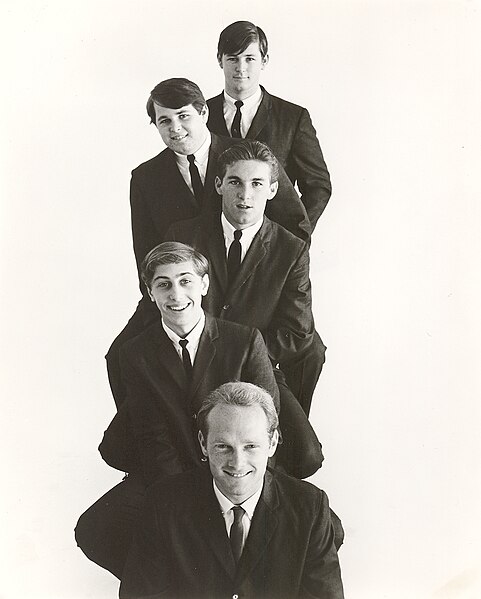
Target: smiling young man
(259,272)
(235,529)
(178,184)
(246,110)
(167,371)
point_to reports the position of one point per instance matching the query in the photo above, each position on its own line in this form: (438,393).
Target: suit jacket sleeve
(309,169)
(158,454)
(143,231)
(147,569)
(258,368)
(287,210)
(292,326)
(321,578)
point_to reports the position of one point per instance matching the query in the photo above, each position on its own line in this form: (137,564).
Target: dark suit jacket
(159,196)
(272,290)
(287,129)
(161,406)
(181,548)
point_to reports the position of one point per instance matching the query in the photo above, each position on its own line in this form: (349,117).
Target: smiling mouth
(178,308)
(243,207)
(178,137)
(237,475)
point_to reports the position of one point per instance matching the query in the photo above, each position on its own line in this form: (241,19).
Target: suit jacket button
(235,596)
(226,307)
(194,416)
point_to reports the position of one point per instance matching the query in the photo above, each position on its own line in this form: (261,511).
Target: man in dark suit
(240,530)
(269,287)
(246,109)
(167,371)
(177,184)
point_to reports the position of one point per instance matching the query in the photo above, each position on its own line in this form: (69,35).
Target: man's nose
(175,125)
(237,459)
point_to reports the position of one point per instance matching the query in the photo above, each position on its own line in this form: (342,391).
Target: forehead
(239,422)
(252,49)
(163,111)
(174,271)
(249,169)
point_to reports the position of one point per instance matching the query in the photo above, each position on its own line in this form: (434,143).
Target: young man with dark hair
(259,271)
(177,184)
(246,110)
(240,530)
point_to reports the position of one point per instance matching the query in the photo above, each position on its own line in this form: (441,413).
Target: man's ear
(152,299)
(204,113)
(273,189)
(265,60)
(274,442)
(217,184)
(203,446)
(205,284)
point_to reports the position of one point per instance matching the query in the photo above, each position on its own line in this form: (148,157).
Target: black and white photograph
(240,322)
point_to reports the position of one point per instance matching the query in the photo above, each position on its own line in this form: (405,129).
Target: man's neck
(242,95)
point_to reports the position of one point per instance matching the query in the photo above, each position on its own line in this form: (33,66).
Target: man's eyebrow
(181,274)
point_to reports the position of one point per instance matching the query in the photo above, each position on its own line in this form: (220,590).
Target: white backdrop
(393,89)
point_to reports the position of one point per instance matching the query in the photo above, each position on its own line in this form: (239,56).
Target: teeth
(178,308)
(237,475)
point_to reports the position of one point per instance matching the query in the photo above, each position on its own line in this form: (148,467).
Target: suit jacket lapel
(211,523)
(205,353)
(179,183)
(256,253)
(167,357)
(216,115)
(263,526)
(261,117)
(214,241)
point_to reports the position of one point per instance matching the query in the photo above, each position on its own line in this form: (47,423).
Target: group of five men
(220,360)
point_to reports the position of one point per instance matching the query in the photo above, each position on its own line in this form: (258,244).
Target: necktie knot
(237,234)
(191,158)
(183,343)
(238,104)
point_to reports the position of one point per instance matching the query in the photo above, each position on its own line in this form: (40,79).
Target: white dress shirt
(248,235)
(201,159)
(193,338)
(248,110)
(226,505)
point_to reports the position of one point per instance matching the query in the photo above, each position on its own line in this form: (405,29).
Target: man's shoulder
(284,106)
(181,489)
(299,495)
(153,164)
(234,332)
(281,238)
(135,346)
(191,227)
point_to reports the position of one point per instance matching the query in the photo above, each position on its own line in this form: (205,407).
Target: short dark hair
(248,149)
(175,93)
(238,394)
(172,252)
(237,36)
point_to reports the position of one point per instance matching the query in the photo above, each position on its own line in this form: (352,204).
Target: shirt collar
(248,233)
(201,154)
(248,102)
(193,337)
(249,505)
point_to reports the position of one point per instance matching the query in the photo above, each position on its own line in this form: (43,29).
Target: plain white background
(393,89)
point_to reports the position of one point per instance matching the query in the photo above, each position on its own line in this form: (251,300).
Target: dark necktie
(186,358)
(234,256)
(235,129)
(195,179)
(237,532)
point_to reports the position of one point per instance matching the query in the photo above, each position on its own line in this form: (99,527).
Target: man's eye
(233,182)
(183,116)
(185,281)
(251,446)
(256,184)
